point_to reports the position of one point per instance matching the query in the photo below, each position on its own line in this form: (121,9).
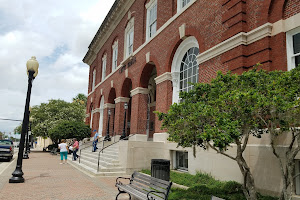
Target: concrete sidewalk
(46,179)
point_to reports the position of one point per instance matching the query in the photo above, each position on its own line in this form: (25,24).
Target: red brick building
(146,51)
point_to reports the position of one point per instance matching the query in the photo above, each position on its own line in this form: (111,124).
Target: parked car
(6,149)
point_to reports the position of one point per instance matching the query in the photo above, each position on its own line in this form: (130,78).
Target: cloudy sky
(58,33)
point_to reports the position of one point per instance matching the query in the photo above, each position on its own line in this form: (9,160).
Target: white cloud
(58,34)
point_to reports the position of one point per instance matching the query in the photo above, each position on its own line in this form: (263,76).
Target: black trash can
(160,168)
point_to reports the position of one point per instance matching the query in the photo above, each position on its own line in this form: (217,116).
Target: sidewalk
(46,179)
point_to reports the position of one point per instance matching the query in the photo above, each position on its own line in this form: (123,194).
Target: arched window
(189,70)
(185,67)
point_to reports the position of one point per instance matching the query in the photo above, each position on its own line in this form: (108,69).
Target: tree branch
(218,151)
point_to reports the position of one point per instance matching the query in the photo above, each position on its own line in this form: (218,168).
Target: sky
(58,33)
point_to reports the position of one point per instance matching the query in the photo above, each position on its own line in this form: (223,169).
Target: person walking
(75,149)
(63,149)
(96,137)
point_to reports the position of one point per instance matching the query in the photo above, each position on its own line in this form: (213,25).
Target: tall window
(115,55)
(181,4)
(151,18)
(94,80)
(293,48)
(103,67)
(130,42)
(129,37)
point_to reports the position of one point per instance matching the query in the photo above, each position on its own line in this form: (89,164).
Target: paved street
(46,179)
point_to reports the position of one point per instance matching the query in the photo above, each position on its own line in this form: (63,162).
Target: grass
(203,186)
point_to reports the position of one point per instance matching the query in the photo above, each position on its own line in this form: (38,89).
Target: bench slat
(131,190)
(151,184)
(143,176)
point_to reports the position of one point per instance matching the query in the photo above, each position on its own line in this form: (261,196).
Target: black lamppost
(25,156)
(32,71)
(123,136)
(107,137)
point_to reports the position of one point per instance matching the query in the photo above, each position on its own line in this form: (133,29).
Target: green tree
(80,99)
(48,115)
(216,115)
(231,108)
(1,135)
(279,113)
(69,129)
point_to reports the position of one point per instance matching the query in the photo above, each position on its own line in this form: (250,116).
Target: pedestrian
(95,141)
(63,149)
(75,149)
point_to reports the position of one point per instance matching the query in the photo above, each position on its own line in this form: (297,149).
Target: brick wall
(211,22)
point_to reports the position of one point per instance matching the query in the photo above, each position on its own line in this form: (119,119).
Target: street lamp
(32,71)
(25,156)
(123,136)
(107,137)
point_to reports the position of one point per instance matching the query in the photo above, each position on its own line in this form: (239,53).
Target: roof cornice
(111,21)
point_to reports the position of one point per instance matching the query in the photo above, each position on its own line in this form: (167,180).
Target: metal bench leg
(120,192)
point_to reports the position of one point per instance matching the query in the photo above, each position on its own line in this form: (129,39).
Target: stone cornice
(164,77)
(109,105)
(139,90)
(122,99)
(235,41)
(111,21)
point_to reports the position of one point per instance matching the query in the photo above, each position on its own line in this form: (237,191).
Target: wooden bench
(145,187)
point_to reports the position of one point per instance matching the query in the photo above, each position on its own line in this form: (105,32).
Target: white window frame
(129,30)
(94,80)
(180,5)
(150,6)
(188,43)
(290,48)
(115,55)
(104,67)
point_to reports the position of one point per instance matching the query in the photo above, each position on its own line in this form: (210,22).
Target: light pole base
(17,176)
(107,138)
(123,137)
(25,156)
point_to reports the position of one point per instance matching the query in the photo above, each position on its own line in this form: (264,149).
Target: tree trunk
(248,186)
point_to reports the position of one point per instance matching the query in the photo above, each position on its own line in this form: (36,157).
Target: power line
(17,120)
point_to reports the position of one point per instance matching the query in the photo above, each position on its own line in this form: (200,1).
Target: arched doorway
(147,80)
(125,92)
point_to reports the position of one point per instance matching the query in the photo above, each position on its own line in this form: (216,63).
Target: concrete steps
(109,164)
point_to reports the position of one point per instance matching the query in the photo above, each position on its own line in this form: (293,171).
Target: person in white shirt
(63,149)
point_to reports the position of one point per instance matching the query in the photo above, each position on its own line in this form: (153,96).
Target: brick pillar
(139,106)
(164,92)
(119,114)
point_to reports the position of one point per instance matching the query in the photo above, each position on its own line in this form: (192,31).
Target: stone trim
(167,76)
(286,25)
(122,99)
(235,41)
(109,105)
(152,104)
(139,90)
(182,31)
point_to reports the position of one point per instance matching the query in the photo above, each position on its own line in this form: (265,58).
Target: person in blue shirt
(96,137)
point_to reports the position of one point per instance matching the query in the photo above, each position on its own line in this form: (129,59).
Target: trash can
(160,168)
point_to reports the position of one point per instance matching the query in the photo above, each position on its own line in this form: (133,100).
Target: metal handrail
(109,146)
(90,144)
